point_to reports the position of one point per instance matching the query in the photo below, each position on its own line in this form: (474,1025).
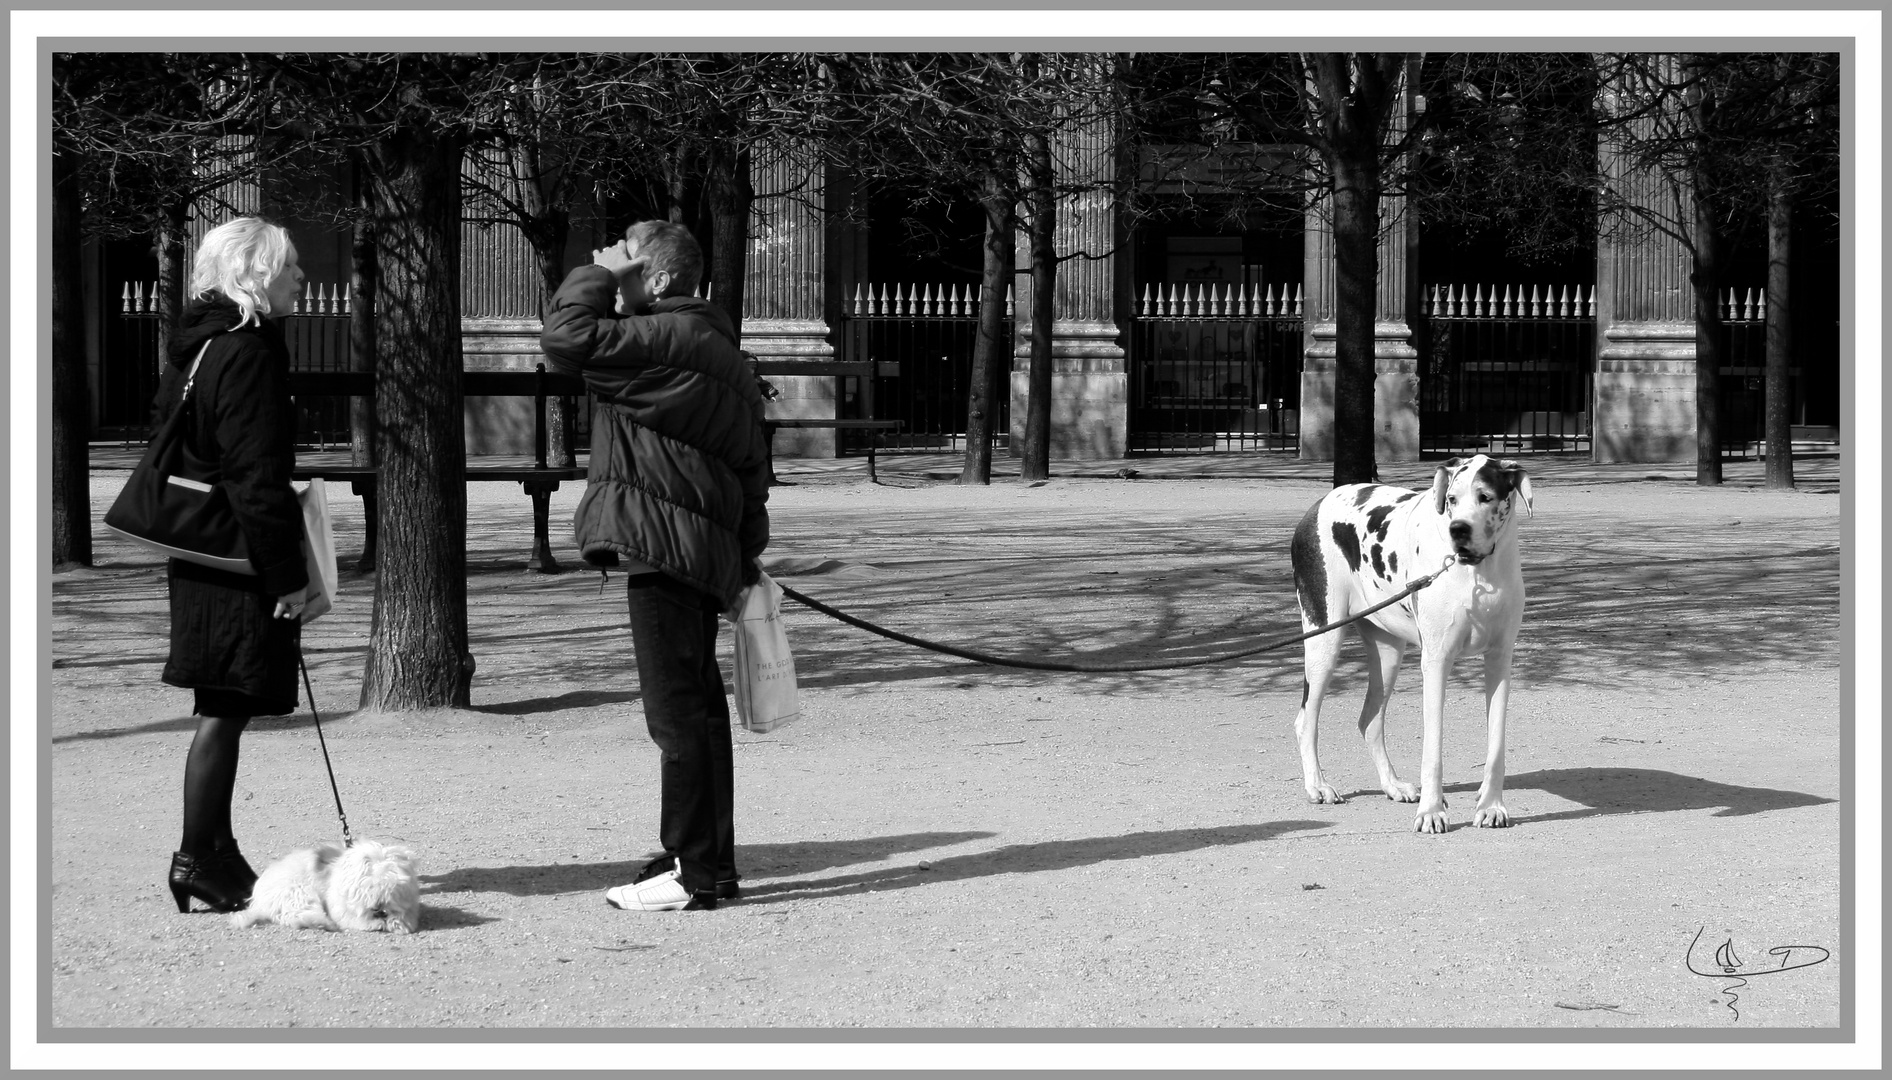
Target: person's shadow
(796,859)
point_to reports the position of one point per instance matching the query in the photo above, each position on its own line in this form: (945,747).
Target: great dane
(1363,543)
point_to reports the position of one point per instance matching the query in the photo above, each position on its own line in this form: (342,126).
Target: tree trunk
(362,275)
(1703,278)
(417,643)
(171,240)
(1035,463)
(1356,274)
(993,344)
(729,195)
(1779,331)
(72,412)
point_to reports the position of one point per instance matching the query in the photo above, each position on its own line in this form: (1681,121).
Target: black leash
(347,840)
(1052,665)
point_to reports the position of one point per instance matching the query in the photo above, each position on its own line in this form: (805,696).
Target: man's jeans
(673,629)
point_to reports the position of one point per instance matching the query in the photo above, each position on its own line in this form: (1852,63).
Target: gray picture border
(857,1045)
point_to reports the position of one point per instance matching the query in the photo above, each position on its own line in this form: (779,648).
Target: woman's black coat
(223,635)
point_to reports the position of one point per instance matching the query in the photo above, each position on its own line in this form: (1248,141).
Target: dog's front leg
(1491,813)
(1434,665)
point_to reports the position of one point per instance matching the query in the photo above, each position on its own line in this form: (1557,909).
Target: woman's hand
(289,605)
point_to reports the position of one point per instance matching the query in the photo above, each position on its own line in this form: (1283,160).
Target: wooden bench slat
(472,383)
(816,422)
(815,368)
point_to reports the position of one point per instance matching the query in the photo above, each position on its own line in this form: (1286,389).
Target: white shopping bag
(318,547)
(765,670)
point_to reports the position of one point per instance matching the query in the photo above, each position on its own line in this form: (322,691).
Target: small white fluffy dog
(368,886)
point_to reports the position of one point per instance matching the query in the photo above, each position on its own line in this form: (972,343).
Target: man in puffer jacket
(676,498)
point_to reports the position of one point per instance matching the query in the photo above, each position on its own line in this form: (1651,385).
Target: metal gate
(1506,369)
(1215,368)
(921,338)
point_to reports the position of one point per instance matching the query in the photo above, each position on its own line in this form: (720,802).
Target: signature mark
(1729,965)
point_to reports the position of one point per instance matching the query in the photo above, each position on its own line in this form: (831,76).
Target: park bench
(862,369)
(539,479)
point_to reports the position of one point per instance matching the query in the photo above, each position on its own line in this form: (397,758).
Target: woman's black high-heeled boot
(237,867)
(209,880)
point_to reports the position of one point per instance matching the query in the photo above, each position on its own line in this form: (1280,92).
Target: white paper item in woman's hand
(318,547)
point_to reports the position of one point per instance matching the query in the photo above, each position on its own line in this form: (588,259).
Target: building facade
(1183,331)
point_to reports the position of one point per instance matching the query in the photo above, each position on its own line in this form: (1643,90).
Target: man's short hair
(669,246)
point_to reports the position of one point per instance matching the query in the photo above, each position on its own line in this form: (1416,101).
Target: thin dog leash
(1053,665)
(347,840)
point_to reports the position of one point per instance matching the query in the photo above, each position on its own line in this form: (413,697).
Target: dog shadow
(1643,791)
(753,859)
(447,917)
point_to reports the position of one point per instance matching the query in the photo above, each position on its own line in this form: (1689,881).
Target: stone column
(1090,416)
(1645,322)
(785,294)
(1395,360)
(499,330)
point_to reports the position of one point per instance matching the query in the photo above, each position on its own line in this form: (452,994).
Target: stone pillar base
(1090,393)
(1395,395)
(1645,394)
(803,397)
(500,425)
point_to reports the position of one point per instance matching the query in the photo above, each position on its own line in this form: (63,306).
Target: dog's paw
(1494,816)
(1430,821)
(1323,794)
(1402,793)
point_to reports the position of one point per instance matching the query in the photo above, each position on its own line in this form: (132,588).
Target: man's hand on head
(617,260)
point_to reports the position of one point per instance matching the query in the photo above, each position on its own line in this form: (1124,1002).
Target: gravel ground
(941,845)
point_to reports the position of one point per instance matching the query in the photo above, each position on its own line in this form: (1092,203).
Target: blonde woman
(235,638)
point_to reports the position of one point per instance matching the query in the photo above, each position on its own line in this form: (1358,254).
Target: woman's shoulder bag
(174,502)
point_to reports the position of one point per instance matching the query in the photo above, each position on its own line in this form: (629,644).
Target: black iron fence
(1215,368)
(1506,369)
(130,367)
(920,338)
(1743,381)
(317,334)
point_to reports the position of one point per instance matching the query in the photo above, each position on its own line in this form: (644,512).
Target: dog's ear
(1520,483)
(1441,481)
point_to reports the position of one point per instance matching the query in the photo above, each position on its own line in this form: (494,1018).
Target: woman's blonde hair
(239,259)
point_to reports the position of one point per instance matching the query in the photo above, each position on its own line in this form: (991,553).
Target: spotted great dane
(1363,543)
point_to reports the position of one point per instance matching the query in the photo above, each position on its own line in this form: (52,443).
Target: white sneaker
(665,892)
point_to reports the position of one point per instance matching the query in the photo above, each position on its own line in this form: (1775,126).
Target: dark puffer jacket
(679,475)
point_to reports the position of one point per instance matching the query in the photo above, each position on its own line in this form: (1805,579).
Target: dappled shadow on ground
(1604,791)
(1668,599)
(751,859)
(1617,597)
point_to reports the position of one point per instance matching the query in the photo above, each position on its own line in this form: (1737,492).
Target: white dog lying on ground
(366,886)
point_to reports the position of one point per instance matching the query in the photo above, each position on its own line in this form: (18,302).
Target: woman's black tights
(209,783)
